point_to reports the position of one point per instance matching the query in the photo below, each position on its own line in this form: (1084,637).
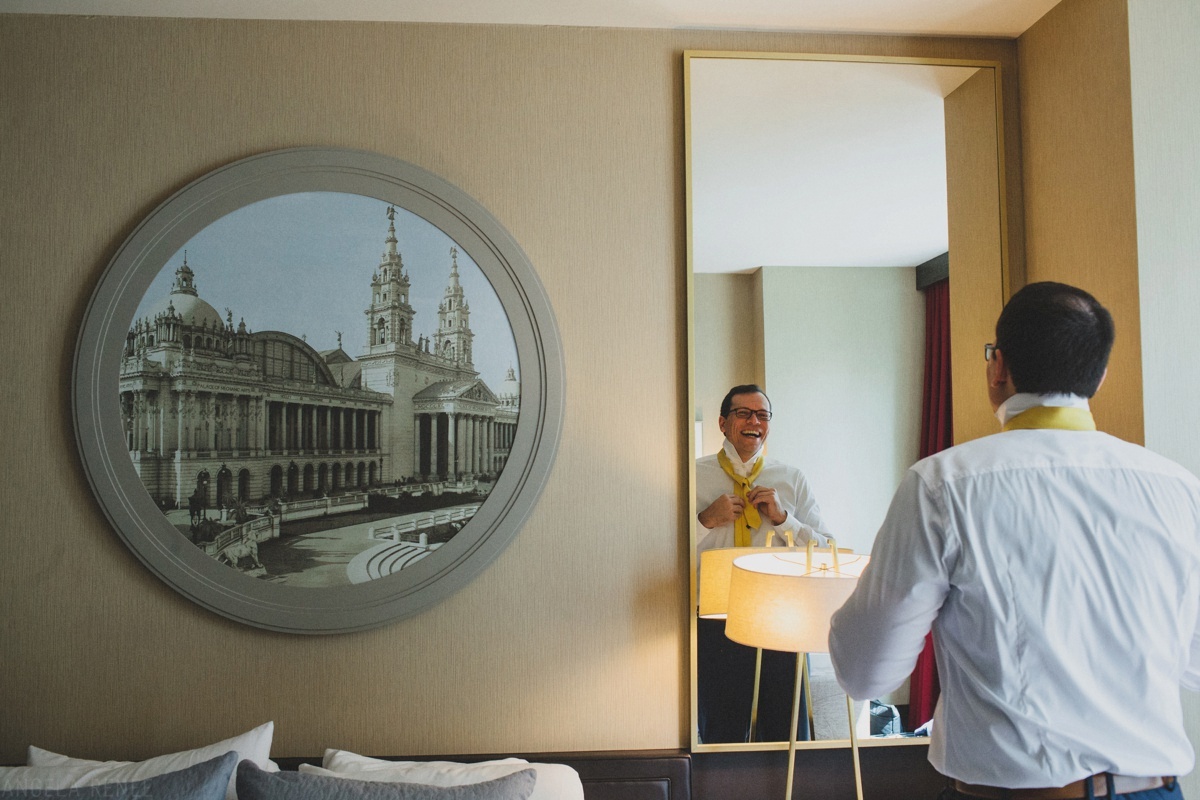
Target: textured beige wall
(575,638)
(1077,143)
(977,276)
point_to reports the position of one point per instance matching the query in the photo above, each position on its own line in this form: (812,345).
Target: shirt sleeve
(708,487)
(1190,679)
(1191,675)
(878,634)
(804,521)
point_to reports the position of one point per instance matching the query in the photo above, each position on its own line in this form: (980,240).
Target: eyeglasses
(747,413)
(988,351)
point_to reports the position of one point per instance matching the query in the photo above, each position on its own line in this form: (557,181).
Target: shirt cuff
(801,533)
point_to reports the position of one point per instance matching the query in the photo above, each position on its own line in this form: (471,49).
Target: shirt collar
(742,468)
(1022,401)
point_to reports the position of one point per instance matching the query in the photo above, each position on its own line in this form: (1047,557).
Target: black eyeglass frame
(745,414)
(988,351)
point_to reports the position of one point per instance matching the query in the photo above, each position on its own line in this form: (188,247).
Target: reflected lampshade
(715,569)
(783,601)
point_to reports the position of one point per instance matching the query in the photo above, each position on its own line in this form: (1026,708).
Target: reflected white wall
(1162,37)
(844,356)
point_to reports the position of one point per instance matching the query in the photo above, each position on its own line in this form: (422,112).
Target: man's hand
(722,511)
(766,500)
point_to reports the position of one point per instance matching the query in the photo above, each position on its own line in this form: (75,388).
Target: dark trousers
(725,689)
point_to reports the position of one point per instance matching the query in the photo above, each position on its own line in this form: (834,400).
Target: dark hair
(745,388)
(1055,338)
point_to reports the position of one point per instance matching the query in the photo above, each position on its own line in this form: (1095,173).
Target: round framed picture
(318,390)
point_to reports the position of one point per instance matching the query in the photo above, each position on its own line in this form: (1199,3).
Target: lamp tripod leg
(792,730)
(754,701)
(808,703)
(854,748)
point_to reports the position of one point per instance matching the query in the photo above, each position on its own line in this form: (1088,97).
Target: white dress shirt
(791,487)
(1060,573)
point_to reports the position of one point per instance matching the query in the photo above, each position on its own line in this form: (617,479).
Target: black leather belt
(1122,784)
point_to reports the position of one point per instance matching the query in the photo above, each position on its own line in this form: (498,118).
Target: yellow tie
(748,522)
(1060,417)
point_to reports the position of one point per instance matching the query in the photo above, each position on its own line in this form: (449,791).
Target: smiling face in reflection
(745,426)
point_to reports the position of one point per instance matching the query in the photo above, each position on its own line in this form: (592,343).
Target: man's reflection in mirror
(742,498)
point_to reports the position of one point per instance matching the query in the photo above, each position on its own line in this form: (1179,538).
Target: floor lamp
(783,601)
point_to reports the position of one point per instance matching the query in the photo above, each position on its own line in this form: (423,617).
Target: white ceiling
(818,163)
(1004,18)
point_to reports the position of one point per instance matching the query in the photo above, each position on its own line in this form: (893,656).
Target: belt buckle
(1123,784)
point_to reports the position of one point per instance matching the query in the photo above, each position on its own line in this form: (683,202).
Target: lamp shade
(783,601)
(715,568)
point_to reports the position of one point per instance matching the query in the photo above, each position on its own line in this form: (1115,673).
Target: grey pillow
(254,784)
(207,780)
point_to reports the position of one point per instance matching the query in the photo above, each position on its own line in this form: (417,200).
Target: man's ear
(999,382)
(997,370)
(721,424)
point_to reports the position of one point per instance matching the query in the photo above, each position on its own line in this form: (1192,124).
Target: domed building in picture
(218,415)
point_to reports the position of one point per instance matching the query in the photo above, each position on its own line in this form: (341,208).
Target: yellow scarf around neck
(1059,417)
(745,525)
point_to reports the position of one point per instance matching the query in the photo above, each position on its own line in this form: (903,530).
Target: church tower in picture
(390,316)
(443,420)
(454,315)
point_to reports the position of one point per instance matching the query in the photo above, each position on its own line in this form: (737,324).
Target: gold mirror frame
(981,286)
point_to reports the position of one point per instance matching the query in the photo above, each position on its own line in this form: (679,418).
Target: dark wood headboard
(605,774)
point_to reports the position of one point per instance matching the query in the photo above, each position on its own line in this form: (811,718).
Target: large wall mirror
(818,188)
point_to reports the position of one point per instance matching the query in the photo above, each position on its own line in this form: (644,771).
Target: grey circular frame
(226,591)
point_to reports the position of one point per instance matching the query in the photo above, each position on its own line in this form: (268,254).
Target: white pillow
(554,781)
(42,777)
(254,745)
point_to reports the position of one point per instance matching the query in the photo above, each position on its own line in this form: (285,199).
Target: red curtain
(937,433)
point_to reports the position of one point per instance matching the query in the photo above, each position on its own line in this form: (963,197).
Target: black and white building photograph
(319,389)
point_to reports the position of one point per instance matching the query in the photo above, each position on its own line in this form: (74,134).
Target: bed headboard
(605,774)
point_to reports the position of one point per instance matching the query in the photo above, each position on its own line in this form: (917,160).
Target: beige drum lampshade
(781,601)
(715,569)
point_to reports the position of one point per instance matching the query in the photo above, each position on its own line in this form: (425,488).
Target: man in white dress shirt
(742,498)
(741,479)
(1059,570)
